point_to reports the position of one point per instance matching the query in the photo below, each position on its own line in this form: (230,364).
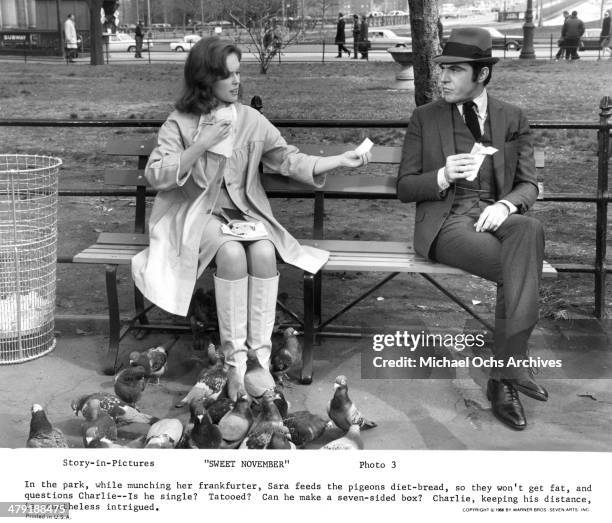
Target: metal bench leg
(317,297)
(141,313)
(309,329)
(114,323)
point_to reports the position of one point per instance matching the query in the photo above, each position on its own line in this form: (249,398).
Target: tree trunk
(96,45)
(425,45)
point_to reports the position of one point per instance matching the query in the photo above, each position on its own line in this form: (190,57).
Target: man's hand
(492,217)
(211,135)
(460,166)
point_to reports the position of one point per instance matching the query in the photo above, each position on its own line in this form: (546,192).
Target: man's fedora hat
(467,44)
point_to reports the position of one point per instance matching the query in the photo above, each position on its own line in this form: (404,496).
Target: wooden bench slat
(131,146)
(380,153)
(123,238)
(125,177)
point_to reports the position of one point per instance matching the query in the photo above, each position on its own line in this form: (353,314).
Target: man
(561,42)
(70,36)
(364,41)
(340,37)
(572,32)
(472,217)
(356,37)
(139,37)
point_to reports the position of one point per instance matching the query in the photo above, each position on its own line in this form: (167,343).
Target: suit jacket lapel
(497,118)
(445,128)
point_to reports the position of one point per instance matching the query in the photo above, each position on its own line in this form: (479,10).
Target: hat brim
(445,59)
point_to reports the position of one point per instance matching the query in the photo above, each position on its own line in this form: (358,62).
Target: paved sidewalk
(430,413)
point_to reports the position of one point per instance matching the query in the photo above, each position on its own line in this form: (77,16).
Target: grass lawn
(547,91)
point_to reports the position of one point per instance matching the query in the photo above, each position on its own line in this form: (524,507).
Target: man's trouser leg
(512,257)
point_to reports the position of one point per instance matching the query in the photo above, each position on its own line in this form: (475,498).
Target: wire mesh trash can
(28,250)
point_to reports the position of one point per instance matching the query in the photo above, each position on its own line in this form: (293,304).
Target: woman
(341,37)
(206,166)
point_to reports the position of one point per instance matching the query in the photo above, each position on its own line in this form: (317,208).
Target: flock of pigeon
(258,419)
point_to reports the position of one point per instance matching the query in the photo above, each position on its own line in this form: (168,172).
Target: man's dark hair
(477,67)
(574,13)
(205,64)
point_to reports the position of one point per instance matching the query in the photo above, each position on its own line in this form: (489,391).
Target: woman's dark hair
(205,64)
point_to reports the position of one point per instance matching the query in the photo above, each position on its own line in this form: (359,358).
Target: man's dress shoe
(505,404)
(530,388)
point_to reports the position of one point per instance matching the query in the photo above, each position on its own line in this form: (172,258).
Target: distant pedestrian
(364,41)
(70,36)
(440,30)
(604,37)
(340,37)
(356,37)
(561,42)
(572,32)
(139,37)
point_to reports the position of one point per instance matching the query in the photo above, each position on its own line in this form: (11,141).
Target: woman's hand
(354,159)
(211,135)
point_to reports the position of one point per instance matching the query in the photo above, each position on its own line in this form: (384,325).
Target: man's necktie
(471,119)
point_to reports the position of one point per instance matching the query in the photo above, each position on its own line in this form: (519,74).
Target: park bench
(394,257)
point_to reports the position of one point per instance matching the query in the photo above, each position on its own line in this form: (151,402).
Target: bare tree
(425,45)
(267,35)
(324,7)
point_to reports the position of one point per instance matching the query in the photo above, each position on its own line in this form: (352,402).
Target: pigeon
(304,426)
(350,441)
(267,437)
(281,403)
(42,434)
(154,360)
(95,442)
(118,409)
(204,435)
(210,381)
(202,312)
(235,425)
(218,408)
(269,416)
(164,434)
(130,383)
(288,354)
(257,380)
(280,441)
(101,421)
(342,411)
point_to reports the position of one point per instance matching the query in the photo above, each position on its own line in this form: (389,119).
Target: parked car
(398,13)
(590,40)
(119,42)
(500,41)
(185,45)
(161,27)
(375,13)
(510,42)
(385,38)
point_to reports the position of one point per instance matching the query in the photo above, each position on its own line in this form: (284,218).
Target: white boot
(261,316)
(231,299)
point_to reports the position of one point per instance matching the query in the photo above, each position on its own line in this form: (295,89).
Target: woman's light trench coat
(167,271)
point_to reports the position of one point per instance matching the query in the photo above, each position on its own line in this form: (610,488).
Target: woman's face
(226,89)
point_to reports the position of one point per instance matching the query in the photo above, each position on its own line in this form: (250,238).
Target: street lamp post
(527,50)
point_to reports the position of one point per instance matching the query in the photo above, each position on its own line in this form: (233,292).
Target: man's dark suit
(512,255)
